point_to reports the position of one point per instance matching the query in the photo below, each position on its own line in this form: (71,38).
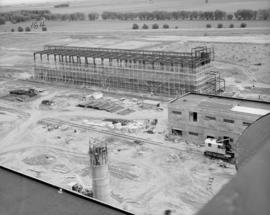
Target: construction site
(51,136)
(141,71)
(141,122)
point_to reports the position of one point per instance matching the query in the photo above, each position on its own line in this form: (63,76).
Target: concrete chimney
(98,153)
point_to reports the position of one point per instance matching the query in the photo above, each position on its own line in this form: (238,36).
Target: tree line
(243,14)
(26,15)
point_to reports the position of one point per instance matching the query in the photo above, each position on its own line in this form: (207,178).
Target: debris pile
(132,126)
(98,102)
(102,104)
(80,189)
(47,102)
(30,92)
(21,95)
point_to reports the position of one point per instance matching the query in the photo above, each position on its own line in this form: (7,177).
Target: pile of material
(47,102)
(30,92)
(95,95)
(80,189)
(130,126)
(102,104)
(21,95)
(150,104)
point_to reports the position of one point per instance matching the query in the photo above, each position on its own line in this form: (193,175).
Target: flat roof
(24,195)
(214,102)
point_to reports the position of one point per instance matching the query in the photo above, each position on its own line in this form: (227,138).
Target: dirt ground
(145,178)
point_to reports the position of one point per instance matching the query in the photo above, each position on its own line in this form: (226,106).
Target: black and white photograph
(134,107)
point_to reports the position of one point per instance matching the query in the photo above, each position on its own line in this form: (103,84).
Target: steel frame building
(155,72)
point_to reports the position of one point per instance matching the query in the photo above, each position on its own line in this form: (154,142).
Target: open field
(184,27)
(243,60)
(142,5)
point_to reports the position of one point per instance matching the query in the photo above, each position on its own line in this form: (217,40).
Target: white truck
(218,148)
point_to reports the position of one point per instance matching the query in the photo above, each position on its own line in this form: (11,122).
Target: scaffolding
(155,72)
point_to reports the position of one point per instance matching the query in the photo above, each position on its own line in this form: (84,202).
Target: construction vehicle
(219,149)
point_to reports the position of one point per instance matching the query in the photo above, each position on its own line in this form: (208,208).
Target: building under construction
(155,72)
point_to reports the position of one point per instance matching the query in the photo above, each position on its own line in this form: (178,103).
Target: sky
(10,2)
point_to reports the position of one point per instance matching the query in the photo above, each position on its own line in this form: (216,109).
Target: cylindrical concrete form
(100,172)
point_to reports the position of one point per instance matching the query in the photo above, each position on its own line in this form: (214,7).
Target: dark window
(177,112)
(246,123)
(193,133)
(210,118)
(177,132)
(226,140)
(193,116)
(228,120)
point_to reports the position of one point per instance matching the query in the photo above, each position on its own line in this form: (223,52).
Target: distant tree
(166,26)
(245,14)
(243,25)
(229,17)
(219,15)
(208,25)
(20,29)
(263,14)
(93,16)
(77,16)
(145,26)
(155,26)
(194,15)
(61,5)
(135,26)
(2,21)
(27,29)
(220,25)
(231,26)
(44,28)
(12,30)
(209,15)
